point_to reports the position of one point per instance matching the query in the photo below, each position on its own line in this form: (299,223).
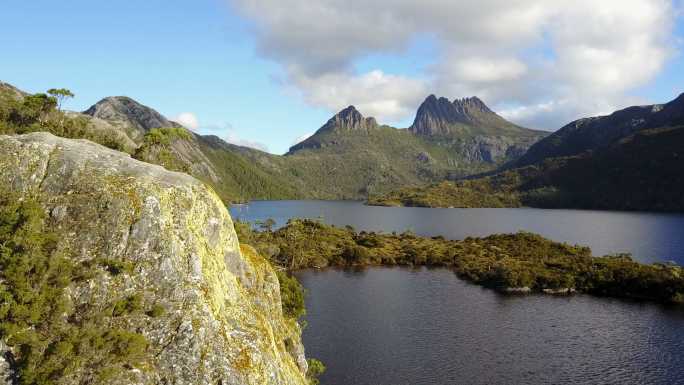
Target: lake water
(395,326)
(650,237)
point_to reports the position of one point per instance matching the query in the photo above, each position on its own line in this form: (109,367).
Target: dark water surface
(649,237)
(391,326)
(396,326)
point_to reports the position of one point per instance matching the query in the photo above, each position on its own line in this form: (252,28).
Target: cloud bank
(543,61)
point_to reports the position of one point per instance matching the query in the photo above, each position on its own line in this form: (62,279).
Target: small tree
(61,94)
(267,225)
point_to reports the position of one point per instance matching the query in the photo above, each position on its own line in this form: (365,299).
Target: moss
(128,305)
(243,362)
(156,311)
(116,267)
(316,369)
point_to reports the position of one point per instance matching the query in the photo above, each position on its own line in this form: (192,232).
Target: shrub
(291,295)
(316,368)
(49,339)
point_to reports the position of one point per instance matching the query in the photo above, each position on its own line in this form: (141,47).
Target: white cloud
(387,97)
(579,56)
(187,119)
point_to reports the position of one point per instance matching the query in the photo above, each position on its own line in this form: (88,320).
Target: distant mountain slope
(599,132)
(8,91)
(618,162)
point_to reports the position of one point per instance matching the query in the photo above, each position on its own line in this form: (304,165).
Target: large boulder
(223,322)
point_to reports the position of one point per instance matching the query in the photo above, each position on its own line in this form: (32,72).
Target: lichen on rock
(217,317)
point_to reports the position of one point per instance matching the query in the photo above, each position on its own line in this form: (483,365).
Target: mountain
(136,117)
(349,157)
(479,134)
(629,160)
(347,120)
(468,116)
(134,275)
(594,133)
(352,156)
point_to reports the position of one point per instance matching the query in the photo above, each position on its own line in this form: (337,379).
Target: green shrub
(316,368)
(291,295)
(49,339)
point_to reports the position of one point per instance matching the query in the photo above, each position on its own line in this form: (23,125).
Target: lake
(392,326)
(396,326)
(650,237)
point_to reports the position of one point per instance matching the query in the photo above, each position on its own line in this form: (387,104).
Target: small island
(513,263)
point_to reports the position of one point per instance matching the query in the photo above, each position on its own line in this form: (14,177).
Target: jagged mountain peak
(349,119)
(471,103)
(440,116)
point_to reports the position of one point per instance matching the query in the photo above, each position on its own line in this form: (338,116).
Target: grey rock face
(350,119)
(128,111)
(223,321)
(439,116)
(493,149)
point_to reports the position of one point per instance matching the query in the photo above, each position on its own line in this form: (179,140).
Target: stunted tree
(61,94)
(35,108)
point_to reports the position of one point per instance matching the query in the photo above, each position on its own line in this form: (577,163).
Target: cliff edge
(217,315)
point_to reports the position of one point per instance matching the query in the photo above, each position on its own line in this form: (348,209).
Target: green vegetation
(156,148)
(20,114)
(521,260)
(60,94)
(316,368)
(164,136)
(291,295)
(241,178)
(641,172)
(50,337)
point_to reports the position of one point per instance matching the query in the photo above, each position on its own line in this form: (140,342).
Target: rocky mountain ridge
(593,133)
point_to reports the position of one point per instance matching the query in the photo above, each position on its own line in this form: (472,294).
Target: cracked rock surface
(223,322)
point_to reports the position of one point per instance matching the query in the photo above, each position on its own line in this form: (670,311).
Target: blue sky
(246,79)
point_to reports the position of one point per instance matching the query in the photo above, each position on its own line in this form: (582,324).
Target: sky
(267,73)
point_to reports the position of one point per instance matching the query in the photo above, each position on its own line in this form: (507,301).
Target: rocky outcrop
(349,119)
(129,113)
(222,321)
(493,149)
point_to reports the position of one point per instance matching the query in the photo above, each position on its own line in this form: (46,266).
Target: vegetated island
(522,262)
